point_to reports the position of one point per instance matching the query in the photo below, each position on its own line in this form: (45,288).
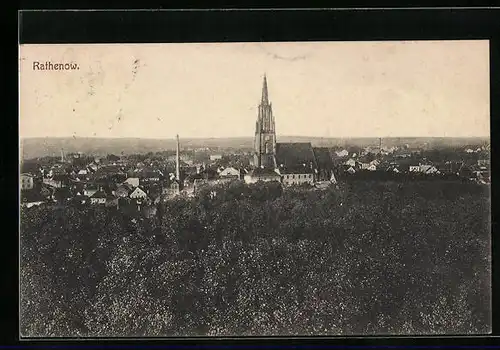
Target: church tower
(265,134)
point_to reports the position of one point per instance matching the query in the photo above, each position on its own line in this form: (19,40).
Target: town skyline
(407,89)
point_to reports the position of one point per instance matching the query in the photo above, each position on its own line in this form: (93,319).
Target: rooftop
(99,194)
(263,172)
(295,153)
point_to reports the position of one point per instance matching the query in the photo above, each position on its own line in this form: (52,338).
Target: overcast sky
(330,89)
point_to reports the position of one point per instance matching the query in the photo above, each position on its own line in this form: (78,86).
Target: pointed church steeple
(265,97)
(265,135)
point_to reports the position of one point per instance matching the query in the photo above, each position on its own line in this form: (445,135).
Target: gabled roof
(126,185)
(323,157)
(131,178)
(295,153)
(263,172)
(138,189)
(99,194)
(229,168)
(427,168)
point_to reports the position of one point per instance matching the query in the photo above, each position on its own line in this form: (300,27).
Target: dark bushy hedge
(365,257)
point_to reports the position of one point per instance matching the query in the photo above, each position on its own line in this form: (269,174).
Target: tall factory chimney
(177,162)
(62,155)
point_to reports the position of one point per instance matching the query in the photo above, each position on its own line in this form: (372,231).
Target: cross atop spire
(265,97)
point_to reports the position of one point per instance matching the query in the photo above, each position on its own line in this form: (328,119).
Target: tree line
(361,258)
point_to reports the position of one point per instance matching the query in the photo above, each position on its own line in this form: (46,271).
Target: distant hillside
(40,147)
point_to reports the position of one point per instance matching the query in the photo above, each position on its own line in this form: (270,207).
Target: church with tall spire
(265,132)
(295,162)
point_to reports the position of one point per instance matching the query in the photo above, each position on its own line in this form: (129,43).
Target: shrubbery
(365,257)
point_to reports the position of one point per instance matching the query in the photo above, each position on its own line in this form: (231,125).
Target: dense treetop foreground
(362,258)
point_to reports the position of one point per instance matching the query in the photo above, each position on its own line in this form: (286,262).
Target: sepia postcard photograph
(333,188)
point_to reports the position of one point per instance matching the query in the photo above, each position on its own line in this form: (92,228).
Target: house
(134,181)
(297,178)
(364,166)
(214,157)
(350,162)
(57,180)
(371,167)
(221,181)
(351,170)
(428,169)
(343,153)
(93,167)
(138,194)
(147,175)
(483,162)
(297,175)
(424,169)
(27,181)
(393,168)
(98,197)
(262,174)
(483,177)
(82,173)
(90,190)
(230,172)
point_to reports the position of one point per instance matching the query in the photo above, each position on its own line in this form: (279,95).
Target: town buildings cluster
(131,184)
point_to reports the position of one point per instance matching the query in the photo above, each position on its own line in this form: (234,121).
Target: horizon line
(247,137)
